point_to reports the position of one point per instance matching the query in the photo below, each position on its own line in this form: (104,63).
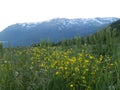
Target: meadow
(78,66)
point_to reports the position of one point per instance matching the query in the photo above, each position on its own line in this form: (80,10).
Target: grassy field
(58,68)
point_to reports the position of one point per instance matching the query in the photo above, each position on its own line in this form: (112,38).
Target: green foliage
(104,42)
(116,25)
(1,50)
(58,68)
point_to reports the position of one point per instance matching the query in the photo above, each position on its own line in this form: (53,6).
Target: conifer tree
(1,50)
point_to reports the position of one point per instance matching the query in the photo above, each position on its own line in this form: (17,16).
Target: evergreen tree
(1,50)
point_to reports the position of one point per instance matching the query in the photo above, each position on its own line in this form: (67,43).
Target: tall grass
(57,68)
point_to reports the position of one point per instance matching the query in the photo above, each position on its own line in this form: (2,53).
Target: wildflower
(42,65)
(76,69)
(71,85)
(86,69)
(91,57)
(101,58)
(65,68)
(61,68)
(83,77)
(86,61)
(57,73)
(32,63)
(111,64)
(73,60)
(80,54)
(73,74)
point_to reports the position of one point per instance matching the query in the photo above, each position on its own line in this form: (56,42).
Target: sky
(20,11)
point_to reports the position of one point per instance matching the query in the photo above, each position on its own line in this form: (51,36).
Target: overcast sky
(19,11)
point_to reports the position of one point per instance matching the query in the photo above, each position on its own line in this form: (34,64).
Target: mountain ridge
(54,29)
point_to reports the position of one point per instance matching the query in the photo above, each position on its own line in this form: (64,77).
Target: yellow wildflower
(57,73)
(71,85)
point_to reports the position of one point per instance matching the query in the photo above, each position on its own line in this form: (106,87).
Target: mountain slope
(116,25)
(54,30)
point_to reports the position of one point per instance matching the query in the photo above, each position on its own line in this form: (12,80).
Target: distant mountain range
(53,30)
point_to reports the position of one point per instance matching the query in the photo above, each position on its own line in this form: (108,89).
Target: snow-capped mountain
(54,30)
(91,21)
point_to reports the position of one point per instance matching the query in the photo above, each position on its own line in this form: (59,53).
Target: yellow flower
(32,63)
(65,68)
(91,57)
(76,69)
(42,65)
(80,54)
(86,61)
(101,58)
(73,74)
(86,69)
(73,59)
(71,85)
(83,77)
(57,73)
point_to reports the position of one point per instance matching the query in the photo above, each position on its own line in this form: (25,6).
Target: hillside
(116,25)
(53,30)
(104,39)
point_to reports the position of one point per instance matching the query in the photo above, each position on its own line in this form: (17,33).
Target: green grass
(58,68)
